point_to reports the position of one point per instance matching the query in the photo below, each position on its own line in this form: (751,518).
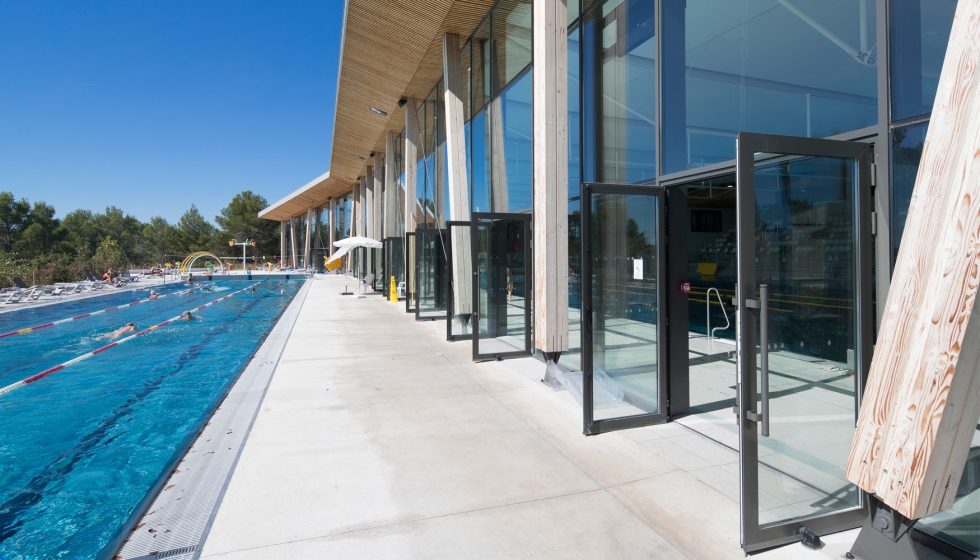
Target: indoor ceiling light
(359,157)
(379,111)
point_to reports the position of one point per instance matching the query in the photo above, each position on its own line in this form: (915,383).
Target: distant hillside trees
(37,246)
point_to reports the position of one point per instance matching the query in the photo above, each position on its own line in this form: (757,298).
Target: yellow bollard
(393,292)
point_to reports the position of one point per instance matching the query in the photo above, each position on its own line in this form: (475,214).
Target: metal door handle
(764,358)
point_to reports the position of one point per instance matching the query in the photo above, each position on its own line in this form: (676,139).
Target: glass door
(410,272)
(430,275)
(394,255)
(623,351)
(501,286)
(803,331)
(459,296)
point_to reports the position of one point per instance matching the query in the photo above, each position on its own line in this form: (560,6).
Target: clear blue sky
(153,105)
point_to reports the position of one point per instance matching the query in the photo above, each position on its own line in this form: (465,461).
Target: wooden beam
(309,231)
(391,209)
(292,241)
(920,405)
(332,226)
(282,241)
(376,194)
(412,148)
(369,202)
(550,222)
(459,191)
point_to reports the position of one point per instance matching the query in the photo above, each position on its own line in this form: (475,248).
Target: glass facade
(918,33)
(806,68)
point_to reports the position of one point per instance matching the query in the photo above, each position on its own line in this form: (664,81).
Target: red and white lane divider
(73,361)
(84,315)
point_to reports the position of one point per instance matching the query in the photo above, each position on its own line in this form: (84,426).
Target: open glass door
(501,286)
(430,250)
(623,353)
(410,272)
(804,331)
(459,296)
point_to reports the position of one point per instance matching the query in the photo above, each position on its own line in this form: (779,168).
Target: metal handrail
(707,307)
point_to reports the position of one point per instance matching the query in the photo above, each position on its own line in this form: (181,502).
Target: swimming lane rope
(92,314)
(73,361)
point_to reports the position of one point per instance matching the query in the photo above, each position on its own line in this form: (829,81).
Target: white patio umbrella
(345,245)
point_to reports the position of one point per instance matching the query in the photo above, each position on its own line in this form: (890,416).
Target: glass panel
(511,40)
(573,6)
(501,283)
(572,358)
(477,160)
(411,272)
(481,66)
(919,32)
(907,145)
(627,69)
(467,69)
(958,524)
(625,279)
(805,242)
(395,255)
(512,184)
(460,299)
(432,274)
(756,65)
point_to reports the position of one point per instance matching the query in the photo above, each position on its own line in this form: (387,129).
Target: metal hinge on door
(874,224)
(874,174)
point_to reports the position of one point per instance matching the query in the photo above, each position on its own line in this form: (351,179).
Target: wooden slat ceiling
(391,49)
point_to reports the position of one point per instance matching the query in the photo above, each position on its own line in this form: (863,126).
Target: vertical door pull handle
(764,358)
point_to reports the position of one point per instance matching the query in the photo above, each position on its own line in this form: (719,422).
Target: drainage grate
(175,552)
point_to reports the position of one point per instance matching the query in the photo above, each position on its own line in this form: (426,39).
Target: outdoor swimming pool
(81,448)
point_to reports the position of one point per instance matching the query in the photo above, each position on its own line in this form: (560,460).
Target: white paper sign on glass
(637,269)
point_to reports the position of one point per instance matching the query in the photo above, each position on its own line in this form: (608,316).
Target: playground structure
(189,261)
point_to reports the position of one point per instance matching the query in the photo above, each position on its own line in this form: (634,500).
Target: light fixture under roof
(350,178)
(359,157)
(379,111)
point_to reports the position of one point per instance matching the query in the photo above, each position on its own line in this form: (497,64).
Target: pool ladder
(707,308)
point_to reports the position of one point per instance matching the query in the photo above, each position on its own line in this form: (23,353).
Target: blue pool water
(81,448)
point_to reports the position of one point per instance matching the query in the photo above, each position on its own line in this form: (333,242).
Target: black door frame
(528,284)
(591,426)
(450,279)
(754,537)
(410,273)
(439,233)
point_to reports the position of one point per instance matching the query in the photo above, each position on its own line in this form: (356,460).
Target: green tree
(240,220)
(13,219)
(108,255)
(159,239)
(123,228)
(42,233)
(79,235)
(194,233)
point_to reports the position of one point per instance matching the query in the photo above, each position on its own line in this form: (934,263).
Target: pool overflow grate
(178,519)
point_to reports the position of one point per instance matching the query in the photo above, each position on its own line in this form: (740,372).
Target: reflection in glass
(628,77)
(512,183)
(958,524)
(919,32)
(477,160)
(625,280)
(511,25)
(572,358)
(502,285)
(460,299)
(431,273)
(805,245)
(733,65)
(481,66)
(907,145)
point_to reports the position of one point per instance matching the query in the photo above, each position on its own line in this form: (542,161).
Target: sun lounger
(13,297)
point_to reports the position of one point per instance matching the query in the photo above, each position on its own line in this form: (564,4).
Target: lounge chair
(13,297)
(32,292)
(125,276)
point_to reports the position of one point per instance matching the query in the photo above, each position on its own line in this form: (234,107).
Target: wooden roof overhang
(390,49)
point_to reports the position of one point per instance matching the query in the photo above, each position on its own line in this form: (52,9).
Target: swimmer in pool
(283,291)
(190,278)
(253,289)
(127,328)
(207,287)
(186,316)
(153,295)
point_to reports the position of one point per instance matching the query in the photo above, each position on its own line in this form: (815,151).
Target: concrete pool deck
(377,438)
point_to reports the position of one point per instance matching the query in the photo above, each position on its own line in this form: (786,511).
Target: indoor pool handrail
(92,314)
(87,355)
(707,307)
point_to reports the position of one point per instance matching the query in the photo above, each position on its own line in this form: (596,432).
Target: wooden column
(922,397)
(309,231)
(498,157)
(282,241)
(391,209)
(376,196)
(412,148)
(359,217)
(369,203)
(332,204)
(459,192)
(550,220)
(353,208)
(292,242)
